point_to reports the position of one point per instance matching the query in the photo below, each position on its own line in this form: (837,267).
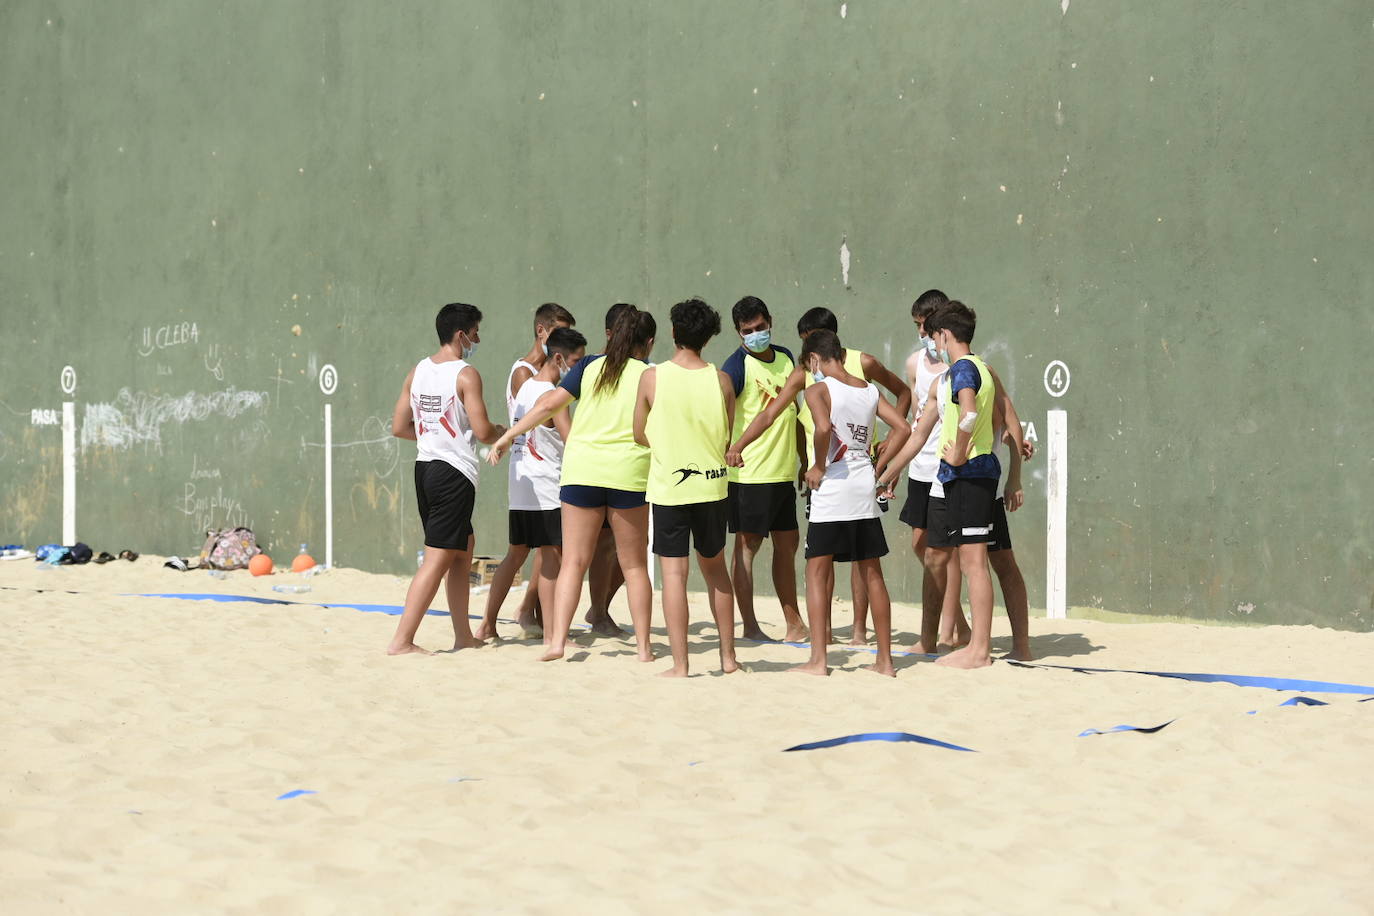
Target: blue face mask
(758,341)
(929,344)
(470,350)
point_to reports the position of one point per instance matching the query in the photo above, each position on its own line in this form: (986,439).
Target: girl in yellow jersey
(605,474)
(684,411)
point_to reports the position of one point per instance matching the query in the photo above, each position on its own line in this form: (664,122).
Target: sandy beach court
(148,742)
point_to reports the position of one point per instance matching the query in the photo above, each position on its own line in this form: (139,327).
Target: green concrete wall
(204,203)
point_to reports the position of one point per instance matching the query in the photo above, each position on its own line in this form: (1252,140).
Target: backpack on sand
(228,548)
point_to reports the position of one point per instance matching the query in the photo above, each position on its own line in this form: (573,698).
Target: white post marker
(329,381)
(1057,520)
(68,381)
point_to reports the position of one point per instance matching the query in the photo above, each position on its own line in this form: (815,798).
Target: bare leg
(937,563)
(528,615)
(746,549)
(978,652)
(1018,604)
(606,580)
(631,530)
(872,572)
(500,586)
(954,629)
(456,585)
(820,584)
(675,612)
(785,545)
(859,589)
(546,566)
(580,529)
(722,606)
(419,596)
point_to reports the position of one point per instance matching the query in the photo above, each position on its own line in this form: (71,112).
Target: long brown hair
(632,330)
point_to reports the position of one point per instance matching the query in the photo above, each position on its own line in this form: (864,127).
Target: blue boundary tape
(1143,729)
(1240,680)
(296,793)
(878,736)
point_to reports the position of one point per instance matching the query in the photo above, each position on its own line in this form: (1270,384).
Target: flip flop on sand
(103,557)
(128,555)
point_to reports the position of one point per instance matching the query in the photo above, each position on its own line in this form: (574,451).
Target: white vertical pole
(69,473)
(1057,523)
(328,485)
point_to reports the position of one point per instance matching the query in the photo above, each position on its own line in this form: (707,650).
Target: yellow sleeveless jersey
(687,437)
(982,461)
(772,457)
(601,450)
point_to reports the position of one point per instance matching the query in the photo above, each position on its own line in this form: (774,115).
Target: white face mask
(470,349)
(929,345)
(816,374)
(563,371)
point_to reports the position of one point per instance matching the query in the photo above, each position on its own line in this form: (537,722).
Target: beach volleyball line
(1240,680)
(1143,729)
(878,736)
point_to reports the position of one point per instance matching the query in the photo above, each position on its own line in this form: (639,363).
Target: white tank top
(536,458)
(442,429)
(510,398)
(937,489)
(927,461)
(849,489)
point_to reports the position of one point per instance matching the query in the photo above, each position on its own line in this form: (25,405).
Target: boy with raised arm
(536,461)
(762,497)
(547,318)
(683,413)
(844,523)
(441,408)
(858,364)
(969,472)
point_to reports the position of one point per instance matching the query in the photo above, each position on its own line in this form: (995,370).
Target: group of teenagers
(605,446)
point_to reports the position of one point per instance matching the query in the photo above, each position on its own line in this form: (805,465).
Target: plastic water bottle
(291,589)
(419,558)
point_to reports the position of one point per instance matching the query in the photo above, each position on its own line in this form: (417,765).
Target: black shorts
(917,504)
(703,524)
(1000,539)
(965,515)
(761,508)
(536,528)
(847,542)
(446,499)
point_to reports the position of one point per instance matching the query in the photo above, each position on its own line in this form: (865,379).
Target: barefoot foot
(646,654)
(858,639)
(756,634)
(799,634)
(729,665)
(882,667)
(1023,654)
(819,669)
(965,658)
(408,649)
(601,624)
(674,671)
(551,654)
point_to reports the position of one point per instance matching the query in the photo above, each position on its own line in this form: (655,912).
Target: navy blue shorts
(600,497)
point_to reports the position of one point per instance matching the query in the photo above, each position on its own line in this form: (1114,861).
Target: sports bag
(228,548)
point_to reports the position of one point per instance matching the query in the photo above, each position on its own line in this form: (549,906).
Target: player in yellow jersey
(858,364)
(762,493)
(683,415)
(605,475)
(969,472)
